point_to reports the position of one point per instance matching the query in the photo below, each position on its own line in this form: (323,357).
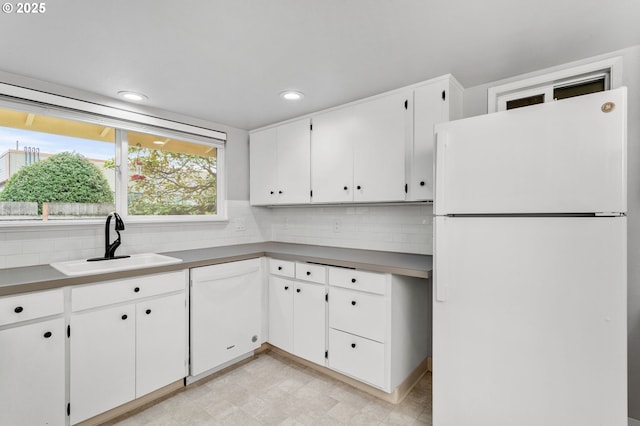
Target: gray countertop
(43,277)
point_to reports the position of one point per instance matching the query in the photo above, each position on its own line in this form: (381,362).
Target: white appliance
(530,315)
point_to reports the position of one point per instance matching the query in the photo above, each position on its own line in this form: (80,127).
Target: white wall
(475,103)
(398,228)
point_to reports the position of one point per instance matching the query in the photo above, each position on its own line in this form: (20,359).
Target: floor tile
(271,389)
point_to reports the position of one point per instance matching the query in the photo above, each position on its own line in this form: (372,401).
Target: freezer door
(529,322)
(567,156)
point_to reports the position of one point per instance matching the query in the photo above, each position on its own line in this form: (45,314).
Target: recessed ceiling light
(159,142)
(292,95)
(133,96)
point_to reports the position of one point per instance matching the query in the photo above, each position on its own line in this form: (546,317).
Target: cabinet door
(309,313)
(430,107)
(102,364)
(382,129)
(263,160)
(332,156)
(32,374)
(294,162)
(161,342)
(281,313)
(226,320)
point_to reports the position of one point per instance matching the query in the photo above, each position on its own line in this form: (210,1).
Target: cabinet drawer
(311,272)
(116,291)
(358,280)
(29,306)
(282,267)
(357,357)
(359,313)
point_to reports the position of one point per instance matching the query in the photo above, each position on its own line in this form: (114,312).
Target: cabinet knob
(18,309)
(279,192)
(137,289)
(345,188)
(279,268)
(358,187)
(353,303)
(47,334)
(286,287)
(421,183)
(297,290)
(148,311)
(353,345)
(353,280)
(308,273)
(124,317)
(271,192)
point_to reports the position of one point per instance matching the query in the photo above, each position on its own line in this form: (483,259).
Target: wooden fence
(13,210)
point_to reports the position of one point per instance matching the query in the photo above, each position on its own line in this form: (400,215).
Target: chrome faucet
(110,249)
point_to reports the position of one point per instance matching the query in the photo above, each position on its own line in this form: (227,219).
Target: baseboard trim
(126,409)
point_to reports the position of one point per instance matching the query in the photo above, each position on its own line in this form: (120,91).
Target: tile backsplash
(398,228)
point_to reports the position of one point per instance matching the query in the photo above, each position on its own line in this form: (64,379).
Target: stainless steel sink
(136,261)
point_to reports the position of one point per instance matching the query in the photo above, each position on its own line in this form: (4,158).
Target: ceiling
(227,61)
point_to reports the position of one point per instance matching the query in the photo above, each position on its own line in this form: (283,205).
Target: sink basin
(136,261)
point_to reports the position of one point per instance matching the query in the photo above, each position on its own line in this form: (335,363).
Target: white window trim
(535,85)
(29,100)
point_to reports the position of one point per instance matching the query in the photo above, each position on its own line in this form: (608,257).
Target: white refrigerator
(530,266)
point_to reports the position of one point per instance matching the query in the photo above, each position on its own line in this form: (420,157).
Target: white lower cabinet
(297,309)
(309,313)
(129,348)
(364,359)
(226,313)
(103,362)
(161,334)
(32,374)
(379,326)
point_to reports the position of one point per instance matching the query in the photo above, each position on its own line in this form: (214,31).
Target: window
(58,165)
(576,81)
(170,177)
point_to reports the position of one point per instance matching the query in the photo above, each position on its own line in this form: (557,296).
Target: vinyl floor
(270,389)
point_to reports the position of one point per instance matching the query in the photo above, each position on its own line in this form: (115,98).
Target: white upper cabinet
(374,150)
(438,101)
(279,164)
(358,152)
(332,156)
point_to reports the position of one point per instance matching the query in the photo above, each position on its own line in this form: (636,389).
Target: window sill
(86,223)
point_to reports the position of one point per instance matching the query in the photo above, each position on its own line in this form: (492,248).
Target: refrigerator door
(567,156)
(530,321)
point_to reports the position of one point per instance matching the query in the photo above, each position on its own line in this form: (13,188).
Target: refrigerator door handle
(440,276)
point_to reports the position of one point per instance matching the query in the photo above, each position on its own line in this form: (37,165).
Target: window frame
(40,103)
(498,96)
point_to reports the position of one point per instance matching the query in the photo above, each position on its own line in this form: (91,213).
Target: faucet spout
(110,248)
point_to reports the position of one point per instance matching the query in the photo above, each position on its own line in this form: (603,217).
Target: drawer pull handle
(308,273)
(137,289)
(148,311)
(124,317)
(353,280)
(286,287)
(47,334)
(18,309)
(298,290)
(353,345)
(353,302)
